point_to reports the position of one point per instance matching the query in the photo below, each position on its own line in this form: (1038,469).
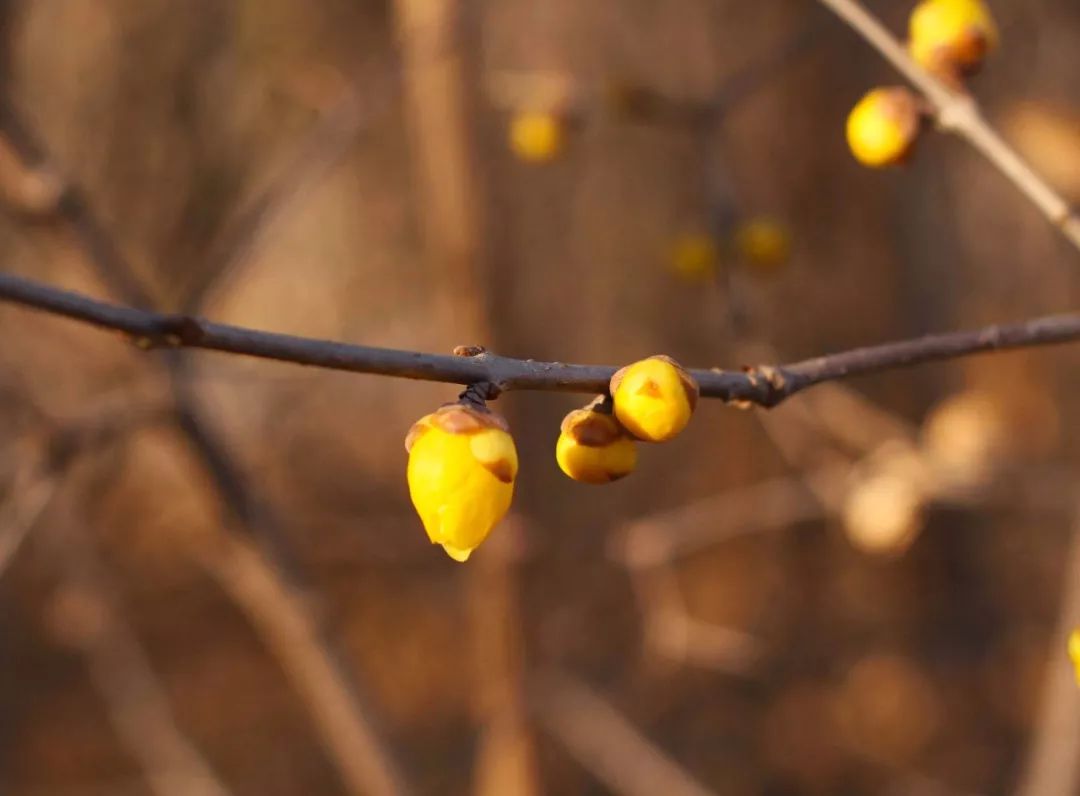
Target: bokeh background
(211,577)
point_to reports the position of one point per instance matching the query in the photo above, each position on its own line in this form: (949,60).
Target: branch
(958,113)
(762,385)
(269,585)
(138,702)
(73,207)
(341,717)
(289,625)
(321,150)
(605,742)
(86,611)
(1052,760)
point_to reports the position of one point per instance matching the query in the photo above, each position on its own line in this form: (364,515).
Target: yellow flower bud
(462,466)
(536,136)
(654,398)
(1074,652)
(764,243)
(594,448)
(883,127)
(951,37)
(695,258)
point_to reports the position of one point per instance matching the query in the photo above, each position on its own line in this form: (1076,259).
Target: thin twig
(671,632)
(368,767)
(269,585)
(138,703)
(774,504)
(1052,766)
(604,741)
(32,492)
(291,629)
(323,147)
(763,385)
(958,113)
(74,209)
(37,482)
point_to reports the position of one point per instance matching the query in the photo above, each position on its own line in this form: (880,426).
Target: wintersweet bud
(654,398)
(883,126)
(462,466)
(951,37)
(593,448)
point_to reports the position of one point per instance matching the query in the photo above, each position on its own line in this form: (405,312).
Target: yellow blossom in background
(462,466)
(1074,652)
(695,257)
(593,448)
(536,136)
(764,243)
(654,398)
(951,37)
(883,126)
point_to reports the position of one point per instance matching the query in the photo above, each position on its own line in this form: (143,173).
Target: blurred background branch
(861,591)
(956,111)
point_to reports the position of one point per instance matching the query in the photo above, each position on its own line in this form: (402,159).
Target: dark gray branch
(765,385)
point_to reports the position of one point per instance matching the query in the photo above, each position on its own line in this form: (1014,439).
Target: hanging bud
(764,243)
(462,466)
(883,127)
(536,136)
(951,37)
(654,398)
(593,448)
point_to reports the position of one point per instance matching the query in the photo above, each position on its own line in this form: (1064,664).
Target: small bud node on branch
(469,350)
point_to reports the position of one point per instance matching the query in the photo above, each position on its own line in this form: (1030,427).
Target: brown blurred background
(212,579)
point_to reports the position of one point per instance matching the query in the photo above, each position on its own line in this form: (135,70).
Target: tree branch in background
(325,146)
(31,493)
(1052,760)
(70,205)
(137,701)
(87,614)
(958,113)
(336,705)
(42,472)
(604,742)
(764,385)
(284,619)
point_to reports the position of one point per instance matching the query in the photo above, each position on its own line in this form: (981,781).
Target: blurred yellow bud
(764,243)
(1074,652)
(462,466)
(594,448)
(883,513)
(695,257)
(654,398)
(883,127)
(951,37)
(536,136)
